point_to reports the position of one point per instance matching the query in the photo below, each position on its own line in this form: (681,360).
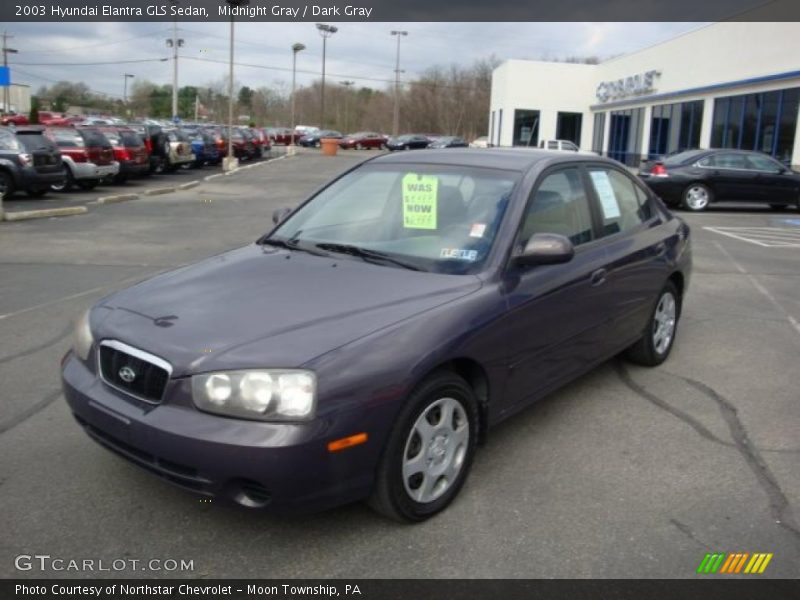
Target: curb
(212,177)
(189,185)
(117,198)
(24,215)
(159,191)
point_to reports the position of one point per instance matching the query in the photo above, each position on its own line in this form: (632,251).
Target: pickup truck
(560,145)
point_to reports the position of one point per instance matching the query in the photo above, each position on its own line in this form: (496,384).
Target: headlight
(268,395)
(82,340)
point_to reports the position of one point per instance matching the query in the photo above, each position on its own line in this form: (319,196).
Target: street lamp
(346,85)
(325,31)
(125,92)
(396,120)
(230,161)
(297,47)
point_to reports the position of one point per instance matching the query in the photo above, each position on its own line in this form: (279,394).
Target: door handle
(598,277)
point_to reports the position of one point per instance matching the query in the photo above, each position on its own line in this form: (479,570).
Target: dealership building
(725,85)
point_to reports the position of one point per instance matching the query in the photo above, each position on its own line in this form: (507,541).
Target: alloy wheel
(697,197)
(664,321)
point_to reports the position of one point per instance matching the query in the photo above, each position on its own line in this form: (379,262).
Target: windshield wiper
(368,255)
(291,245)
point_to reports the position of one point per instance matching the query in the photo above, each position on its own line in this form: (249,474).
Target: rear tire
(429,452)
(6,185)
(654,346)
(69,182)
(696,197)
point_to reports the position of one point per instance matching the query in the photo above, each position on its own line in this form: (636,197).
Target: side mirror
(546,249)
(279,214)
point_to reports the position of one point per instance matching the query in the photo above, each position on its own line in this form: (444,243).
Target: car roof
(513,159)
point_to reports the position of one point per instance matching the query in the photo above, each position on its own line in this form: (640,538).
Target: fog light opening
(250,493)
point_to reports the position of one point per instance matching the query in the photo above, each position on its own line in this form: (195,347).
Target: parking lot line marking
(764,291)
(767,237)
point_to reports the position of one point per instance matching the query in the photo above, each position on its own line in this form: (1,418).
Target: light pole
(174,43)
(346,85)
(396,119)
(7,88)
(297,47)
(125,92)
(325,31)
(230,161)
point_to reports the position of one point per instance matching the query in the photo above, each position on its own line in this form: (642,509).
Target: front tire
(697,197)
(66,186)
(656,342)
(6,185)
(430,450)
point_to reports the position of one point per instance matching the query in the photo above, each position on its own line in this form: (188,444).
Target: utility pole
(125,91)
(7,87)
(175,44)
(396,119)
(297,47)
(346,85)
(325,31)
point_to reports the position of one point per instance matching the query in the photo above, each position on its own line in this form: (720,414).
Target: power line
(92,64)
(130,39)
(50,80)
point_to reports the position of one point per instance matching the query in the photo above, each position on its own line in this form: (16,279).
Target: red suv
(87,155)
(129,151)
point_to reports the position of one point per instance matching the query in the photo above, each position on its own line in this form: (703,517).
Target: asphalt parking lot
(627,472)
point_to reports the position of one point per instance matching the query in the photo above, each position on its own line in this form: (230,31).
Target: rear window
(94,137)
(131,139)
(66,138)
(682,157)
(33,141)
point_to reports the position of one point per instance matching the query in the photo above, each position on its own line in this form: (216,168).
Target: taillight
(123,154)
(659,170)
(81,157)
(25,159)
(148,144)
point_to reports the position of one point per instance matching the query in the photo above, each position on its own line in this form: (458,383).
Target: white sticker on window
(477,230)
(460,254)
(608,200)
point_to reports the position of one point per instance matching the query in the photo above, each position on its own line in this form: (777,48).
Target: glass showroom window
(526,128)
(568,127)
(625,136)
(675,127)
(765,122)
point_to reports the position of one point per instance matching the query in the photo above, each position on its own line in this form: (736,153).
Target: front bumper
(280,466)
(92,171)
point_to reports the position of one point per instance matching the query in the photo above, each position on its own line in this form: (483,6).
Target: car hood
(266,307)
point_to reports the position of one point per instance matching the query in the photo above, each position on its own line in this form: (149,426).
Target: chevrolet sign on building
(634,85)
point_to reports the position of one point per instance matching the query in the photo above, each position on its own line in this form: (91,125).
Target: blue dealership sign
(5,76)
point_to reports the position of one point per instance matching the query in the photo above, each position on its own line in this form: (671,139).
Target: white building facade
(726,85)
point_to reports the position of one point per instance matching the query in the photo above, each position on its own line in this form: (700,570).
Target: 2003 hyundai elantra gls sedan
(364,346)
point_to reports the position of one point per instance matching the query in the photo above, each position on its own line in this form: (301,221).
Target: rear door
(557,314)
(730,176)
(636,248)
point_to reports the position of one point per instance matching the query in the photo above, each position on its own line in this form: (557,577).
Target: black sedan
(313,140)
(408,142)
(694,179)
(363,347)
(448,142)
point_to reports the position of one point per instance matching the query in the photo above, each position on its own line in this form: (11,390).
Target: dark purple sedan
(363,347)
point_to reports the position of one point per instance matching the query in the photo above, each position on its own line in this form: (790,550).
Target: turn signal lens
(348,442)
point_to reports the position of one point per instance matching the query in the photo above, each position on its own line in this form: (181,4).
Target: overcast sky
(363,52)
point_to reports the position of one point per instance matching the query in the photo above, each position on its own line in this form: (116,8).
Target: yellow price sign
(420,193)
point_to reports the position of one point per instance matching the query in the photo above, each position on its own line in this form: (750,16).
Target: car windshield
(430,217)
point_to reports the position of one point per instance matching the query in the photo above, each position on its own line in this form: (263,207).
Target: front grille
(133,371)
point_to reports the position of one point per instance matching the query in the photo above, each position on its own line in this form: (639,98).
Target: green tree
(34,115)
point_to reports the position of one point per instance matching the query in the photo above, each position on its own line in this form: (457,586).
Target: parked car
(14,119)
(204,147)
(29,161)
(695,179)
(480,142)
(559,145)
(468,285)
(256,141)
(263,142)
(448,142)
(156,144)
(243,147)
(282,136)
(313,140)
(363,140)
(87,154)
(129,152)
(54,119)
(408,142)
(180,149)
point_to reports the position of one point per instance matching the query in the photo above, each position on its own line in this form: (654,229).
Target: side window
(8,141)
(552,145)
(725,161)
(763,163)
(559,205)
(623,206)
